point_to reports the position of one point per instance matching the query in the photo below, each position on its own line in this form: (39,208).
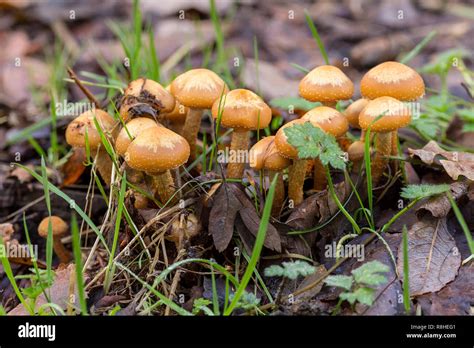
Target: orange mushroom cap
(132,129)
(198,88)
(178,114)
(157,150)
(58,226)
(242,109)
(264,155)
(352,112)
(281,141)
(392,79)
(326,83)
(76,130)
(328,119)
(395,115)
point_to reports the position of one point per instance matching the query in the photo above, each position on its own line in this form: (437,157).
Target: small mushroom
(176,117)
(297,172)
(326,84)
(196,89)
(352,113)
(396,80)
(156,151)
(59,228)
(182,229)
(393,115)
(76,137)
(145,97)
(264,156)
(332,122)
(243,111)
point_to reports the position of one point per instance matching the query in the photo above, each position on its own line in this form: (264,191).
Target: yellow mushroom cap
(395,115)
(392,79)
(352,112)
(198,88)
(146,88)
(178,114)
(242,109)
(281,141)
(58,226)
(76,130)
(132,129)
(326,83)
(356,151)
(264,155)
(328,119)
(157,150)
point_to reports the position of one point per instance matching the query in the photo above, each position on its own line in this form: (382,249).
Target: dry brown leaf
(440,206)
(6,231)
(58,292)
(434,258)
(74,167)
(454,163)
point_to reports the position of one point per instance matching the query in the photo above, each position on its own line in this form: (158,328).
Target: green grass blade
(417,49)
(316,36)
(76,248)
(462,222)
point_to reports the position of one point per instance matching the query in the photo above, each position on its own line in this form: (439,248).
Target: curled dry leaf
(439,206)
(454,163)
(74,167)
(433,256)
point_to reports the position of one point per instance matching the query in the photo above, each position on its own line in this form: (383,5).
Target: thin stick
(84,90)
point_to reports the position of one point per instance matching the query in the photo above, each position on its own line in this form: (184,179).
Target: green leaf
(422,191)
(247,301)
(201,305)
(341,281)
(368,273)
(293,102)
(313,142)
(291,270)
(365,296)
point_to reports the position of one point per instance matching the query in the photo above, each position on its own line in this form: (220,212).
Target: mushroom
(396,80)
(332,122)
(196,89)
(59,228)
(76,137)
(145,97)
(183,229)
(126,135)
(177,116)
(393,115)
(326,84)
(156,151)
(264,156)
(356,149)
(243,111)
(297,172)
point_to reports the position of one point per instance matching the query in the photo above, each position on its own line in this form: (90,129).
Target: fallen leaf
(252,221)
(439,206)
(74,167)
(6,231)
(434,258)
(454,163)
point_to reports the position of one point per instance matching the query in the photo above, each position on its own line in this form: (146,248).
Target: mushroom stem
(240,141)
(383,148)
(296,178)
(279,195)
(163,185)
(394,151)
(191,129)
(319,176)
(104,164)
(63,254)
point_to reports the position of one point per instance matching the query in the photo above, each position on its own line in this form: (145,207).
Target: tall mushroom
(326,84)
(58,228)
(297,172)
(243,111)
(145,97)
(156,151)
(393,115)
(396,80)
(196,89)
(356,149)
(332,122)
(264,156)
(76,137)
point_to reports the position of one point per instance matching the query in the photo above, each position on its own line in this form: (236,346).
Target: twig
(84,90)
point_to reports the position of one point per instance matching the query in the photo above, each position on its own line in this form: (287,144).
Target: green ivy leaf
(341,281)
(422,191)
(291,270)
(313,142)
(368,273)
